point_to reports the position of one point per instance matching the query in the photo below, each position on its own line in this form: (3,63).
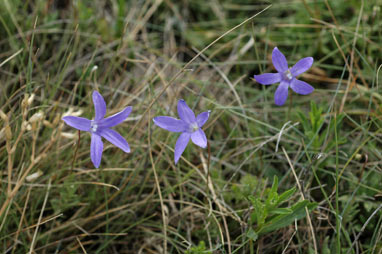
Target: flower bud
(24,125)
(4,116)
(77,113)
(68,113)
(31,98)
(358,157)
(2,133)
(34,176)
(95,67)
(24,102)
(71,112)
(36,117)
(8,132)
(68,135)
(47,124)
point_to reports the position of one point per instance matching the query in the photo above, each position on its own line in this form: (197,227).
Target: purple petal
(281,93)
(99,106)
(279,61)
(185,113)
(116,118)
(79,123)
(268,78)
(170,123)
(116,139)
(301,87)
(96,148)
(199,138)
(181,144)
(301,66)
(202,118)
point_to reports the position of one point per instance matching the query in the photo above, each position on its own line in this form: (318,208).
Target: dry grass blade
(11,57)
(31,250)
(192,60)
(303,198)
(148,54)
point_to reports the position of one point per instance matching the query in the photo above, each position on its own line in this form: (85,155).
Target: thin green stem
(338,221)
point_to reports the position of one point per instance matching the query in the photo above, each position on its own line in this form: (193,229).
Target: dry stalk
(34,160)
(303,198)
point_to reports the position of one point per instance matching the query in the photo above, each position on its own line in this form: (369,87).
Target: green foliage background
(131,51)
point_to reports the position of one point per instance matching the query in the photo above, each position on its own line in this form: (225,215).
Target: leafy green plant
(313,127)
(268,215)
(200,249)
(68,198)
(248,184)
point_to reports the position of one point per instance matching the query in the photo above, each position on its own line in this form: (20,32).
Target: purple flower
(286,76)
(188,125)
(100,127)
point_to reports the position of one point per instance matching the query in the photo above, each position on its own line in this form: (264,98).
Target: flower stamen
(288,75)
(194,127)
(93,127)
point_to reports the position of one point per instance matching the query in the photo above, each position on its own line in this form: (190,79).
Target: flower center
(288,75)
(194,127)
(93,127)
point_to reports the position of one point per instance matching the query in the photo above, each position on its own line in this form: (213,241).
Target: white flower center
(93,127)
(194,127)
(288,75)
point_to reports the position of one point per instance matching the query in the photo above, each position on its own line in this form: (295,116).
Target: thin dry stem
(217,201)
(159,193)
(21,220)
(191,61)
(40,217)
(303,198)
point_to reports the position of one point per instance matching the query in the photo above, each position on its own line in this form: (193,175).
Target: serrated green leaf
(271,200)
(260,211)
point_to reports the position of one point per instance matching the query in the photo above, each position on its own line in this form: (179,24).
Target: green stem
(338,221)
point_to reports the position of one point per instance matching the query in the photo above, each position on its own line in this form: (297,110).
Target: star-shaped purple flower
(286,76)
(188,125)
(100,127)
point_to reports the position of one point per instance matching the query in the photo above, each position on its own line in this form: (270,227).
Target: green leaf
(325,246)
(281,211)
(286,195)
(275,184)
(273,197)
(252,199)
(284,220)
(261,214)
(200,249)
(251,234)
